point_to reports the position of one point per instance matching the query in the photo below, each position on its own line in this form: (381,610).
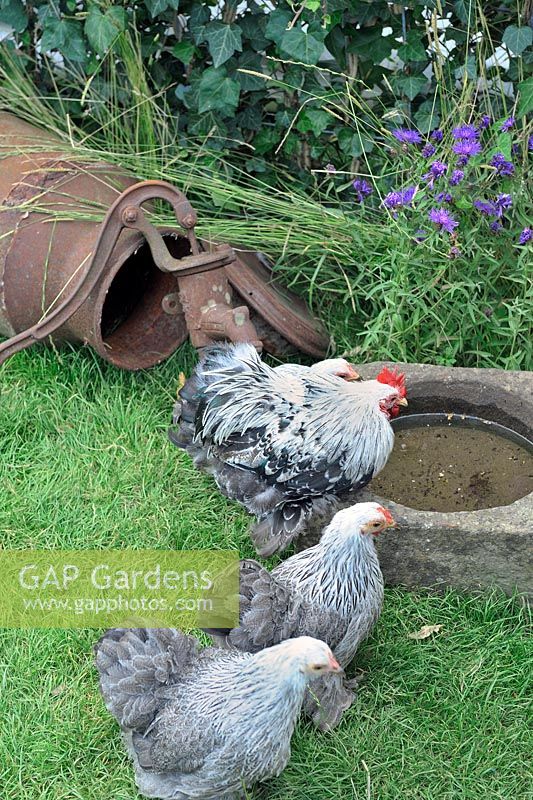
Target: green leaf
(156,7)
(223,40)
(184,51)
(13,13)
(315,120)
(410,85)
(469,67)
(199,16)
(63,35)
(302,46)
(525,102)
(277,24)
(250,83)
(370,44)
(426,121)
(413,49)
(253,28)
(354,144)
(517,39)
(266,140)
(465,10)
(102,29)
(217,92)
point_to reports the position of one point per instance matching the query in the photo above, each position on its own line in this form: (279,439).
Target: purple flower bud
(444,197)
(496,226)
(454,252)
(399,199)
(436,135)
(503,167)
(428,150)
(330,168)
(484,122)
(362,189)
(503,201)
(508,124)
(526,236)
(530,143)
(486,207)
(457,177)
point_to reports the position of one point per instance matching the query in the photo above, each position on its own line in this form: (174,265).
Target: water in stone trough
(455,463)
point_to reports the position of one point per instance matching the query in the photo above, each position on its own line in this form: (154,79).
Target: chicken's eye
(376,524)
(317,667)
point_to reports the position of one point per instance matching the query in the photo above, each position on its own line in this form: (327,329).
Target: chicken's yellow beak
(403,402)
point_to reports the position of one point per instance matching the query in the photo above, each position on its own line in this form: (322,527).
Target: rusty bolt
(188,221)
(171,304)
(130,214)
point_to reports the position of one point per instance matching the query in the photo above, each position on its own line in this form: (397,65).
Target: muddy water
(449,467)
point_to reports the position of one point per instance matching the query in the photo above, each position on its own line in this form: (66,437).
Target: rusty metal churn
(131,290)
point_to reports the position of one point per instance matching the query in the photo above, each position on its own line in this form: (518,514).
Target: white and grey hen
(289,442)
(332,591)
(205,724)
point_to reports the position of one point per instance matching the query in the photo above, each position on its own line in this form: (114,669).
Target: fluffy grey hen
(205,724)
(287,443)
(333,591)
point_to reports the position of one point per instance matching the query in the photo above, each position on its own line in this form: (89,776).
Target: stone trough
(469,550)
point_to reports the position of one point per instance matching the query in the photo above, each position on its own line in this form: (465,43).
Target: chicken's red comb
(393,378)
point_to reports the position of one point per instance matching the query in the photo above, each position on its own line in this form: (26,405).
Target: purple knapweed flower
(484,122)
(496,226)
(443,219)
(399,199)
(457,177)
(428,150)
(444,197)
(436,135)
(508,124)
(362,189)
(465,132)
(503,167)
(330,168)
(486,207)
(526,236)
(407,136)
(503,201)
(530,143)
(436,170)
(465,149)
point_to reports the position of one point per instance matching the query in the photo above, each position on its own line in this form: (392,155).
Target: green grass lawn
(84,462)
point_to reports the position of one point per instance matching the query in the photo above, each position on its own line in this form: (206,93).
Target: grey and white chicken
(332,591)
(205,724)
(287,443)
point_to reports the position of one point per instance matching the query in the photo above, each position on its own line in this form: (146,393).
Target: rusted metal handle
(125,212)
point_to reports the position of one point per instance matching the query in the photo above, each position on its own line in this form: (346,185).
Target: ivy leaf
(369,43)
(517,39)
(156,7)
(277,24)
(253,28)
(302,46)
(63,35)
(525,103)
(469,67)
(102,29)
(410,85)
(426,121)
(250,83)
(12,13)
(184,51)
(315,120)
(217,92)
(464,9)
(413,49)
(223,40)
(354,144)
(198,18)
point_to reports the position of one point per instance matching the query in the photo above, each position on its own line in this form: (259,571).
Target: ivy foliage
(207,61)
